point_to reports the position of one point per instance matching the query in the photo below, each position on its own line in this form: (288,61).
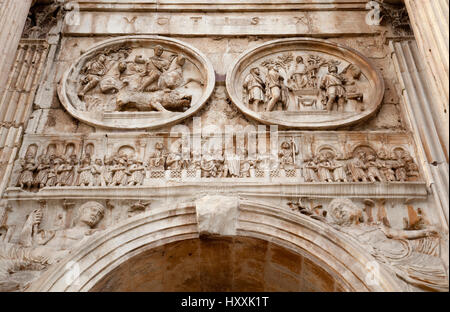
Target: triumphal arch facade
(190,145)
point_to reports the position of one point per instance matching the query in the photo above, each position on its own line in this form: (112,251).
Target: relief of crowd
(125,169)
(365,166)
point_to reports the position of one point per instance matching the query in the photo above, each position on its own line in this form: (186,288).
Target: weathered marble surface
(220,200)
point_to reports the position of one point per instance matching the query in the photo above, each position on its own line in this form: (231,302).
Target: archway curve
(340,256)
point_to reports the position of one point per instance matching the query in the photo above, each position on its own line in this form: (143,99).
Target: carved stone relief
(137,82)
(116,160)
(31,248)
(305,84)
(411,252)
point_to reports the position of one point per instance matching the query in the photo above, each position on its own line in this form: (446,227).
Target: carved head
(159,50)
(91,213)
(102,58)
(255,71)
(139,59)
(382,154)
(29,156)
(159,146)
(98,162)
(399,153)
(181,60)
(299,59)
(285,145)
(332,69)
(344,212)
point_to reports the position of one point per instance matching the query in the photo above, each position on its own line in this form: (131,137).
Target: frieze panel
(404,240)
(119,160)
(305,84)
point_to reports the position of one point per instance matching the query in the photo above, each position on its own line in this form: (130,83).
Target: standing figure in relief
(287,154)
(339,171)
(324,169)
(310,168)
(52,177)
(312,68)
(120,172)
(232,166)
(173,160)
(71,177)
(137,171)
(86,177)
(373,165)
(254,88)
(209,165)
(155,66)
(97,169)
(274,88)
(412,170)
(386,167)
(29,165)
(42,171)
(356,167)
(62,172)
(246,164)
(299,78)
(94,71)
(400,166)
(107,171)
(333,83)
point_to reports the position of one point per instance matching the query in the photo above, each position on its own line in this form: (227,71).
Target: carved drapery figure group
(127,169)
(412,253)
(140,84)
(291,83)
(56,170)
(365,166)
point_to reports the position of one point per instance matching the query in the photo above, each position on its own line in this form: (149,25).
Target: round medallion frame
(373,95)
(136,120)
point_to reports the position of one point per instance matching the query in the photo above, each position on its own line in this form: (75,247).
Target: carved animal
(150,101)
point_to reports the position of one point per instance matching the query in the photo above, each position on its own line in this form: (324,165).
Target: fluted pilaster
(430,22)
(13,15)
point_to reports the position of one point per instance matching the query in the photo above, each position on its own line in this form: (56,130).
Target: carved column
(418,98)
(13,15)
(429,21)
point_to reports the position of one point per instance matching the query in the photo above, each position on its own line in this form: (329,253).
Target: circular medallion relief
(137,82)
(305,84)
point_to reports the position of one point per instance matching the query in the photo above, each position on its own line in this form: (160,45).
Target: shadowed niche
(219,264)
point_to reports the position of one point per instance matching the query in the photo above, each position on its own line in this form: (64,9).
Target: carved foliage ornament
(137,82)
(305,84)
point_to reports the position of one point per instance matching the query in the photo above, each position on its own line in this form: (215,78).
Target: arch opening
(222,264)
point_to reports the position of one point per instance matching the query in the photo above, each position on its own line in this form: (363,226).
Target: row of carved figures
(363,167)
(126,170)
